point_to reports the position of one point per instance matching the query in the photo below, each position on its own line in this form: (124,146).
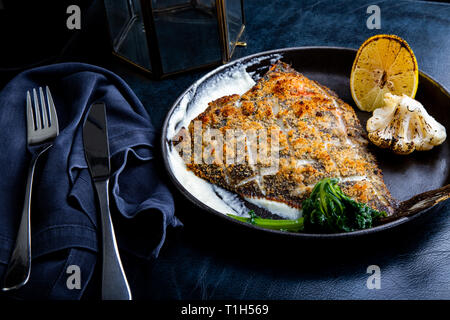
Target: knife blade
(96,148)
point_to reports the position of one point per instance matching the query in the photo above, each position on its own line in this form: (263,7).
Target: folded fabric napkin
(64,216)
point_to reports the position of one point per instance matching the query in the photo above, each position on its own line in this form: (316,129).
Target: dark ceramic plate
(405,176)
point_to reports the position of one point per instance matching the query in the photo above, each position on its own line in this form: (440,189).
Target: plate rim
(203,206)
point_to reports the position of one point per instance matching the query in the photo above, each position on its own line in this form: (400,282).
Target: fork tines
(41,115)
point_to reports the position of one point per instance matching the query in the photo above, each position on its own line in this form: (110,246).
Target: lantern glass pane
(127,31)
(187,32)
(234,21)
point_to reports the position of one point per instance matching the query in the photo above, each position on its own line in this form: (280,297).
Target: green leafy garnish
(329,210)
(282,225)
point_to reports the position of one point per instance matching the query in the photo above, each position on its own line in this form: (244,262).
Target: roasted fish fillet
(317,135)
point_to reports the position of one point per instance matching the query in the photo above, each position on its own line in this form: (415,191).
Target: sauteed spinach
(329,210)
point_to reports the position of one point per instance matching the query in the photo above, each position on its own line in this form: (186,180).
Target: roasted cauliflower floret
(403,125)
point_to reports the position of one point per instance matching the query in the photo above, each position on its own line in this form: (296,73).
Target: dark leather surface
(208,259)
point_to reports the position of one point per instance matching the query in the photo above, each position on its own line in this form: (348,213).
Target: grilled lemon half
(384,63)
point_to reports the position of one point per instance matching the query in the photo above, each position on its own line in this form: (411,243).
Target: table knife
(96,148)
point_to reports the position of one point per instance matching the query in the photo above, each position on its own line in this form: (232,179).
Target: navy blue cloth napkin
(65,225)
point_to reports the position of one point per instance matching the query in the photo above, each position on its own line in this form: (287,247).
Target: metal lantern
(165,37)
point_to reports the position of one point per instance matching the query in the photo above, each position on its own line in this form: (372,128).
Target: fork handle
(19,266)
(114,282)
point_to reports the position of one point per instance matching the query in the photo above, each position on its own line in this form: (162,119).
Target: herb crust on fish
(318,136)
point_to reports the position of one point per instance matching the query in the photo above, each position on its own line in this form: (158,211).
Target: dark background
(209,260)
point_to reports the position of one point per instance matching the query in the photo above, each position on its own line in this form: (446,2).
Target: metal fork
(42,129)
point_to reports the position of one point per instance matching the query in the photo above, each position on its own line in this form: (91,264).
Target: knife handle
(114,282)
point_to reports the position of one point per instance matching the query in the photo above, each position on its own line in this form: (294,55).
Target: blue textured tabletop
(207,259)
(202,262)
